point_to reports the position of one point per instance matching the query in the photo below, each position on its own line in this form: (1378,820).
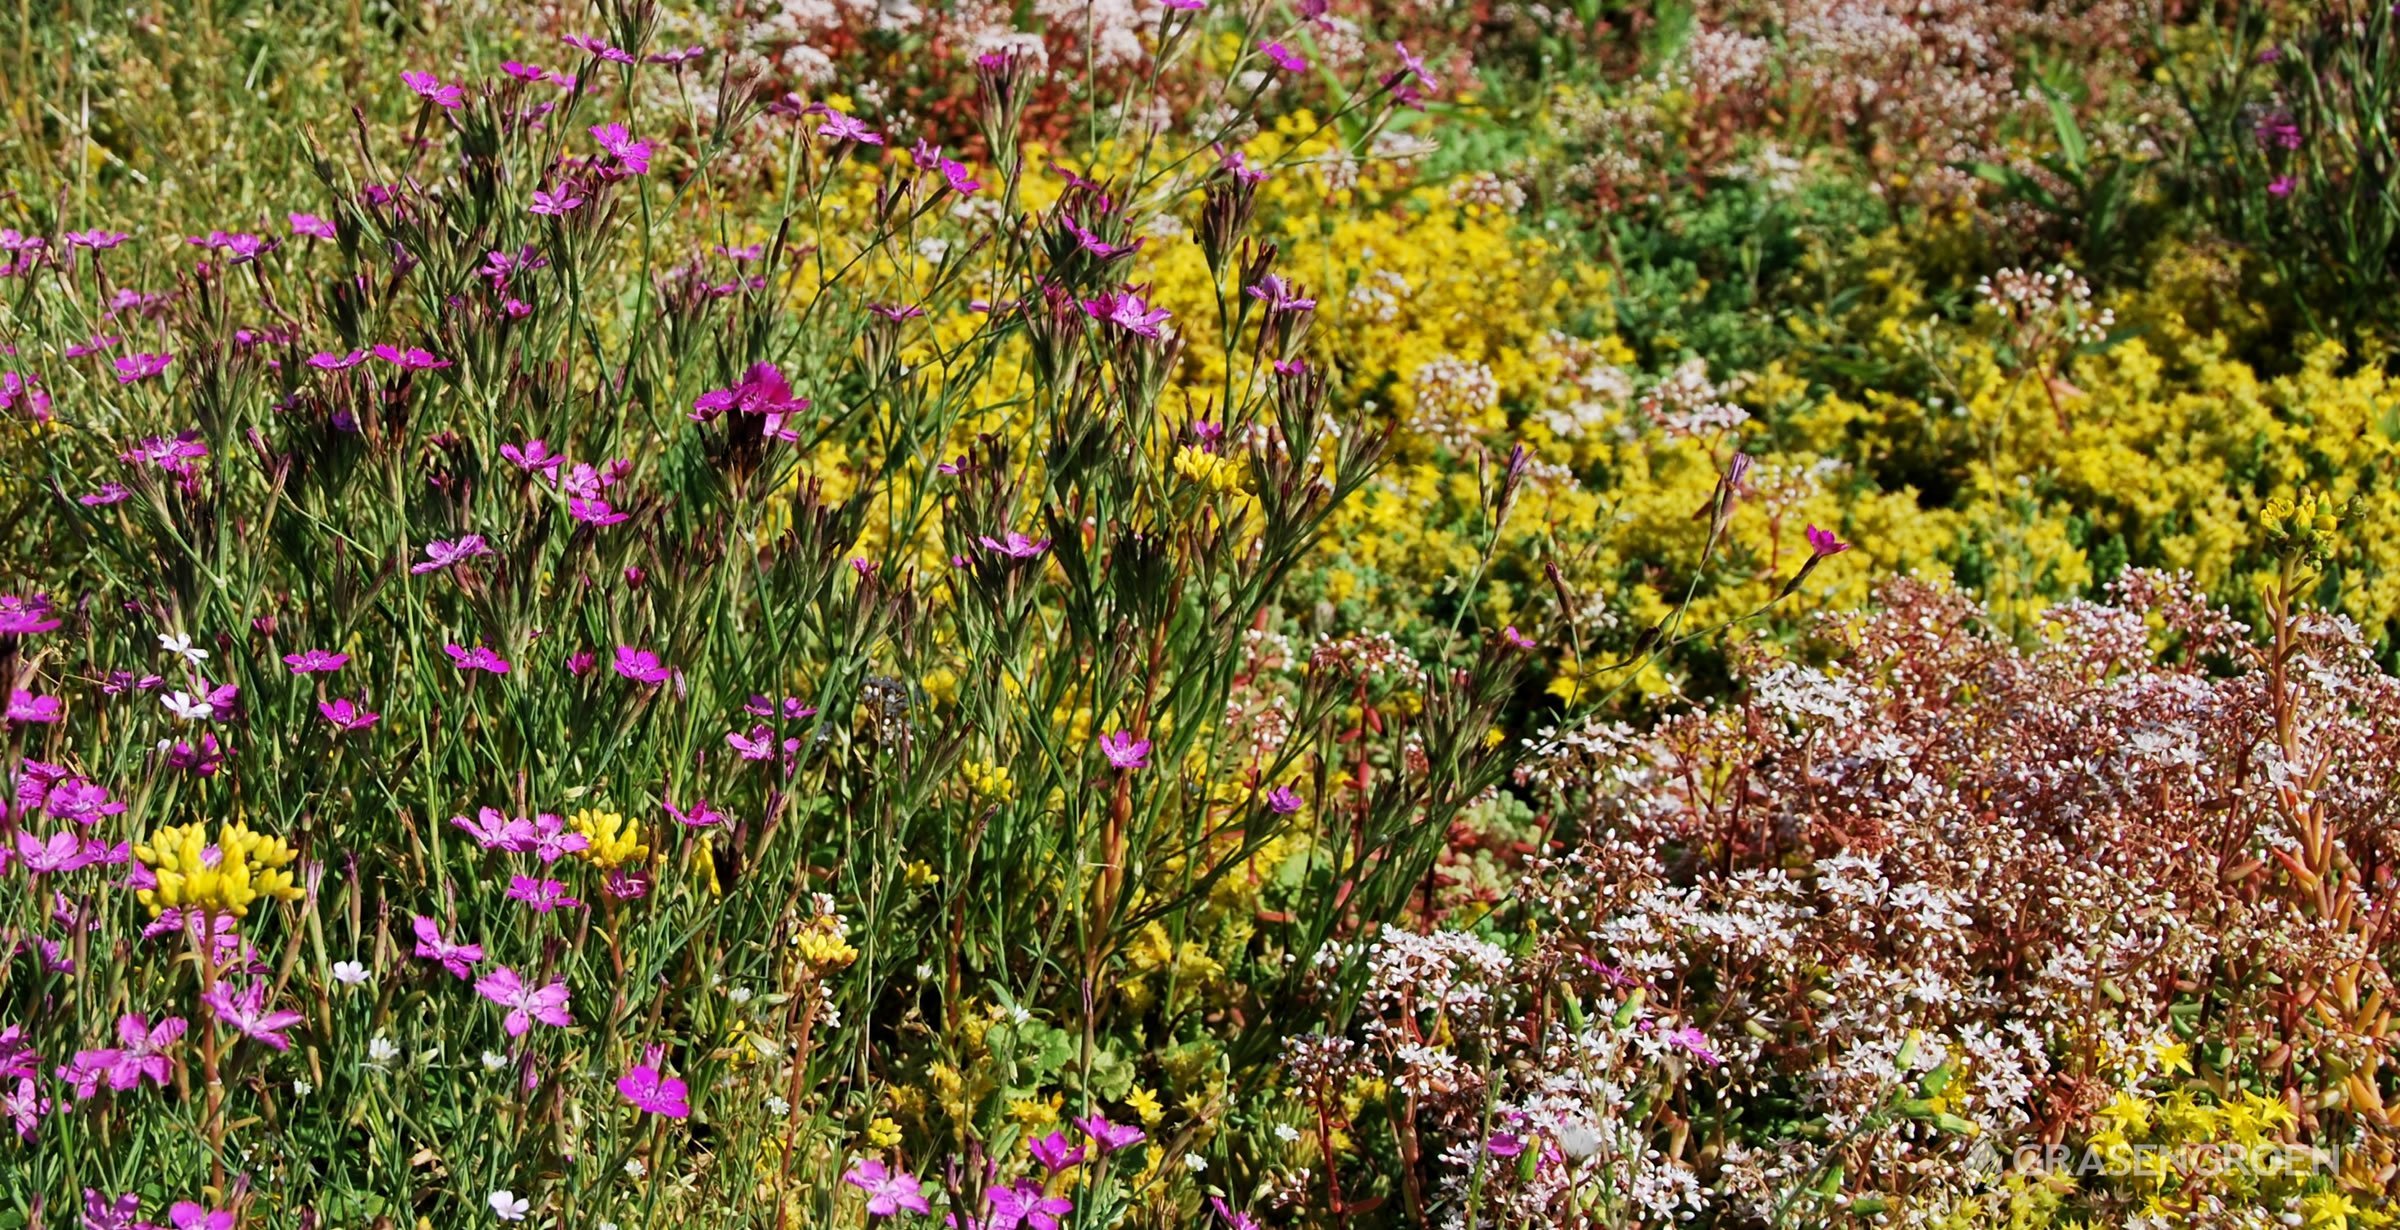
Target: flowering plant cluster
(1164,613)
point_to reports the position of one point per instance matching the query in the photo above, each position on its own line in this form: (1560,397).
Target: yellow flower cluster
(240,867)
(614,842)
(2306,525)
(1215,471)
(823,943)
(987,783)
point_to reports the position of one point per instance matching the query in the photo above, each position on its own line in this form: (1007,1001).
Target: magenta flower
(701,816)
(17,389)
(431,89)
(1237,164)
(1090,241)
(759,744)
(1014,545)
(632,155)
(1184,6)
(1822,543)
(553,840)
(1023,1204)
(312,661)
(1280,296)
(554,204)
(21,616)
(203,758)
(106,494)
(653,1093)
(62,851)
(955,174)
(440,554)
(494,831)
(1124,751)
(173,454)
(841,127)
(346,715)
(534,457)
(190,1215)
(142,1051)
(2276,130)
(1056,1151)
(480,658)
(761,390)
(545,836)
(543,895)
(525,1004)
(595,512)
(887,1192)
(585,42)
(246,1011)
(24,706)
(1232,1219)
(241,244)
(17,1058)
(2281,186)
(312,226)
(96,240)
(1516,639)
(328,361)
(411,358)
(24,1108)
(102,1213)
(641,666)
(133,367)
(80,801)
(1127,310)
(1283,800)
(85,1072)
(1692,1042)
(459,959)
(1110,1137)
(1284,57)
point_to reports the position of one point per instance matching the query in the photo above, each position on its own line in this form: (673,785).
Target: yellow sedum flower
(883,1133)
(823,941)
(614,843)
(2307,524)
(1037,1113)
(1145,1104)
(240,867)
(1214,471)
(987,783)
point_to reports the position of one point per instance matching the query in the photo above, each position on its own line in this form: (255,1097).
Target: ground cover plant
(1168,612)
